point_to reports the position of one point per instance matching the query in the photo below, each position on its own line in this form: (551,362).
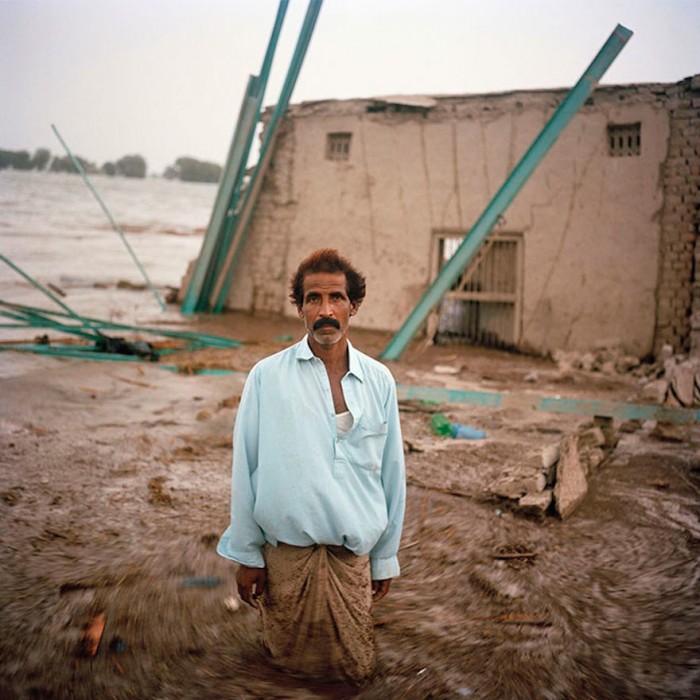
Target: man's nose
(326,307)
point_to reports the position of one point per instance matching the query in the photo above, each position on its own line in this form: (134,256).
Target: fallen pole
(223,280)
(115,225)
(84,323)
(44,318)
(217,237)
(581,407)
(505,195)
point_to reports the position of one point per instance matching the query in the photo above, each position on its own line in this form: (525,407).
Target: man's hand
(251,583)
(380,589)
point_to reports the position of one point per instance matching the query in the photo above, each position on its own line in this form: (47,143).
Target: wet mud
(114,489)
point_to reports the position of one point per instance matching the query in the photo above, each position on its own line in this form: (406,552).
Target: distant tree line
(23,160)
(193,170)
(185,168)
(128,166)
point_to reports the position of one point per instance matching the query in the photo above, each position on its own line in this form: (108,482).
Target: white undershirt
(343,421)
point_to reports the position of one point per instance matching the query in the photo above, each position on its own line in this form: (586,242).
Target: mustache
(326,322)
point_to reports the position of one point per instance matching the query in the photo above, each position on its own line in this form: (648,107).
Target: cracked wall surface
(602,249)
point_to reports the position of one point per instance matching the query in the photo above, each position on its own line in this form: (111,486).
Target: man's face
(326,307)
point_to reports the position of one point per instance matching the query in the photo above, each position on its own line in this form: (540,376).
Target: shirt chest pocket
(366,444)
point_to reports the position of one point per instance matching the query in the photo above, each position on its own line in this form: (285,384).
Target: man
(318,484)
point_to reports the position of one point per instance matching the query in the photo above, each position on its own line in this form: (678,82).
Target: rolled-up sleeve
(383,557)
(243,539)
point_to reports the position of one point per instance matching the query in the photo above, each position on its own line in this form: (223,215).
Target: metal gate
(483,306)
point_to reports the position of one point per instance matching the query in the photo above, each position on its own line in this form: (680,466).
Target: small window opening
(338,146)
(624,139)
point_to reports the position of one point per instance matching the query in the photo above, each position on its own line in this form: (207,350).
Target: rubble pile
(561,480)
(608,358)
(672,380)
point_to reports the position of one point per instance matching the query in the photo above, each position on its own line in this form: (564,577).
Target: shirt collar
(303,352)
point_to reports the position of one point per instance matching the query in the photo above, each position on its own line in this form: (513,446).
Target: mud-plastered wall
(594,225)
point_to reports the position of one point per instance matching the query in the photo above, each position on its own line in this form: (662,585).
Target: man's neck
(334,357)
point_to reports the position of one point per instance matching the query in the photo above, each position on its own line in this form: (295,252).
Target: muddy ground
(114,489)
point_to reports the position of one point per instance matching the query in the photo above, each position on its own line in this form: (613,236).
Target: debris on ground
(90,639)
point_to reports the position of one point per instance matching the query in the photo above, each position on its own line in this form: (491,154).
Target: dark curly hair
(327,260)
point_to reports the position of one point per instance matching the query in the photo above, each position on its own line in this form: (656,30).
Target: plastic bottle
(466,432)
(441,426)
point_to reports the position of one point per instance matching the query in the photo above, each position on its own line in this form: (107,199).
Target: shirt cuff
(252,558)
(382,569)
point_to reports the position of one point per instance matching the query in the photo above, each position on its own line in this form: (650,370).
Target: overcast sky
(165,78)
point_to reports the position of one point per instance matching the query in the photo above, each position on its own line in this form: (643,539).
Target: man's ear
(300,311)
(354,306)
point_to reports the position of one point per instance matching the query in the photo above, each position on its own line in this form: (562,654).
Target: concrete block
(508,488)
(671,432)
(682,379)
(626,363)
(655,391)
(666,352)
(594,458)
(514,486)
(593,437)
(550,456)
(536,504)
(571,486)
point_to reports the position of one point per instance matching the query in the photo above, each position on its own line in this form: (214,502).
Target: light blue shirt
(296,480)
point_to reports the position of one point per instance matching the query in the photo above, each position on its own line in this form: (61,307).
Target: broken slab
(684,384)
(591,437)
(592,459)
(669,432)
(536,504)
(655,391)
(571,486)
(514,486)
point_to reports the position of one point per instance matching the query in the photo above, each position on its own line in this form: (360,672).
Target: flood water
(53,228)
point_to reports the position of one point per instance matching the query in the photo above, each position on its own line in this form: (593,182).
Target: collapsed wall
(606,241)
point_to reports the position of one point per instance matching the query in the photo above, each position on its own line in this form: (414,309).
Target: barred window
(624,139)
(338,146)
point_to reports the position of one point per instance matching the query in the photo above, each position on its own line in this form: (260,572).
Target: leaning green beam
(42,318)
(217,237)
(229,224)
(223,282)
(505,195)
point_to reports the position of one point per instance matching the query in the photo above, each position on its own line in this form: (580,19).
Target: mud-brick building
(600,245)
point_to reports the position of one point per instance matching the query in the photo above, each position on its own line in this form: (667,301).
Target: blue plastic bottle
(466,432)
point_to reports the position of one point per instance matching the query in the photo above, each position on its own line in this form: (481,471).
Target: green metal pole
(115,225)
(217,237)
(83,322)
(223,281)
(230,223)
(237,155)
(505,195)
(551,404)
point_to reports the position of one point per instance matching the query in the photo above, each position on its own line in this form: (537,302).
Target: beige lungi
(316,611)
